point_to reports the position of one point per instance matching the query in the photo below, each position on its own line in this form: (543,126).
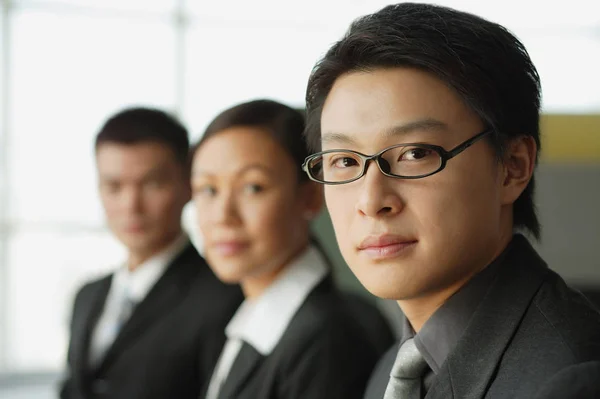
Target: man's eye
(343,162)
(415,154)
(112,187)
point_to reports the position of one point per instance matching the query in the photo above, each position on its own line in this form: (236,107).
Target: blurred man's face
(143,190)
(407,239)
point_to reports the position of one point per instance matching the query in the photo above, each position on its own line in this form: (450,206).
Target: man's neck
(137,258)
(418,310)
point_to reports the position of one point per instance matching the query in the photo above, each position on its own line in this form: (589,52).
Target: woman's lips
(230,248)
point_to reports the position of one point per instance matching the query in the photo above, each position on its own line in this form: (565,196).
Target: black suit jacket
(168,347)
(326,352)
(531,337)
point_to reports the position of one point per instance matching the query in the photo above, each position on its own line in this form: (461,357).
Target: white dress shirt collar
(262,321)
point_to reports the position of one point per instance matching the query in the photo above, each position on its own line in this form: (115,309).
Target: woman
(294,336)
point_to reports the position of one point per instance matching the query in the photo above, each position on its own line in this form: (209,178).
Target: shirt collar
(263,321)
(137,283)
(441,332)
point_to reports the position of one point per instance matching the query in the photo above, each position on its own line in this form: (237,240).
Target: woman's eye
(207,191)
(152,184)
(253,188)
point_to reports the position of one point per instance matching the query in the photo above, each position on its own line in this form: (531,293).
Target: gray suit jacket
(531,337)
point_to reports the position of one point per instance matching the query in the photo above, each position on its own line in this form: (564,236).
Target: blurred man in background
(155,327)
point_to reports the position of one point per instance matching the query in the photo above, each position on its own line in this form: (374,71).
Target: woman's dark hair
(482,61)
(283,123)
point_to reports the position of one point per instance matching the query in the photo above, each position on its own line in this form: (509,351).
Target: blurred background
(67,65)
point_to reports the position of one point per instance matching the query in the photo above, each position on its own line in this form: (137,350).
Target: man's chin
(385,292)
(137,242)
(385,285)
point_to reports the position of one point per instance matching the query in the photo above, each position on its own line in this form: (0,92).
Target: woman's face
(251,209)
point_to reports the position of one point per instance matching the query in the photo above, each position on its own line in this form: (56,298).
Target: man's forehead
(399,131)
(132,163)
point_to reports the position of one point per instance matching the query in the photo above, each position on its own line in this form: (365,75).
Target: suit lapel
(163,297)
(469,369)
(245,363)
(381,376)
(91,309)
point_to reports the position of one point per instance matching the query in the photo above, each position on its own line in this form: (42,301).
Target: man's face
(143,190)
(406,239)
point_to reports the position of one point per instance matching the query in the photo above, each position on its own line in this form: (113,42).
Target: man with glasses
(426,120)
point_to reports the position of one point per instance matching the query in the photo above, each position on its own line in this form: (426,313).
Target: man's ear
(519,162)
(313,199)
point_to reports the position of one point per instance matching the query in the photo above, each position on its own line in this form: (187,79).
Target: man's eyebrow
(337,138)
(426,124)
(154,173)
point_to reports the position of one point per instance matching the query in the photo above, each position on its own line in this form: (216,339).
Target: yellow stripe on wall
(570,138)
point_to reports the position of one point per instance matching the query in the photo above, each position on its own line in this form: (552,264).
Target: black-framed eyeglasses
(402,161)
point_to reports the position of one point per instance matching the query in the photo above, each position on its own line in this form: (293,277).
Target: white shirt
(131,286)
(261,322)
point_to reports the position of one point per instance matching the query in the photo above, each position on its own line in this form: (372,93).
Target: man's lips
(385,246)
(134,228)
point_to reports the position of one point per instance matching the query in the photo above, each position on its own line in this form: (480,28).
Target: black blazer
(326,352)
(531,337)
(169,346)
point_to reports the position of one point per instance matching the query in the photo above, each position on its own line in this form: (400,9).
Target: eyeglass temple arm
(461,147)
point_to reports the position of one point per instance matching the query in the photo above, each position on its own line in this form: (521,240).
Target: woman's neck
(254,285)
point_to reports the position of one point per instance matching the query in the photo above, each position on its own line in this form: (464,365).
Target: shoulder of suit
(323,334)
(205,287)
(201,272)
(189,266)
(95,284)
(89,291)
(576,381)
(385,363)
(571,316)
(323,316)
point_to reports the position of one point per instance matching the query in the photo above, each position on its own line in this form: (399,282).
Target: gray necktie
(405,377)
(125,308)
